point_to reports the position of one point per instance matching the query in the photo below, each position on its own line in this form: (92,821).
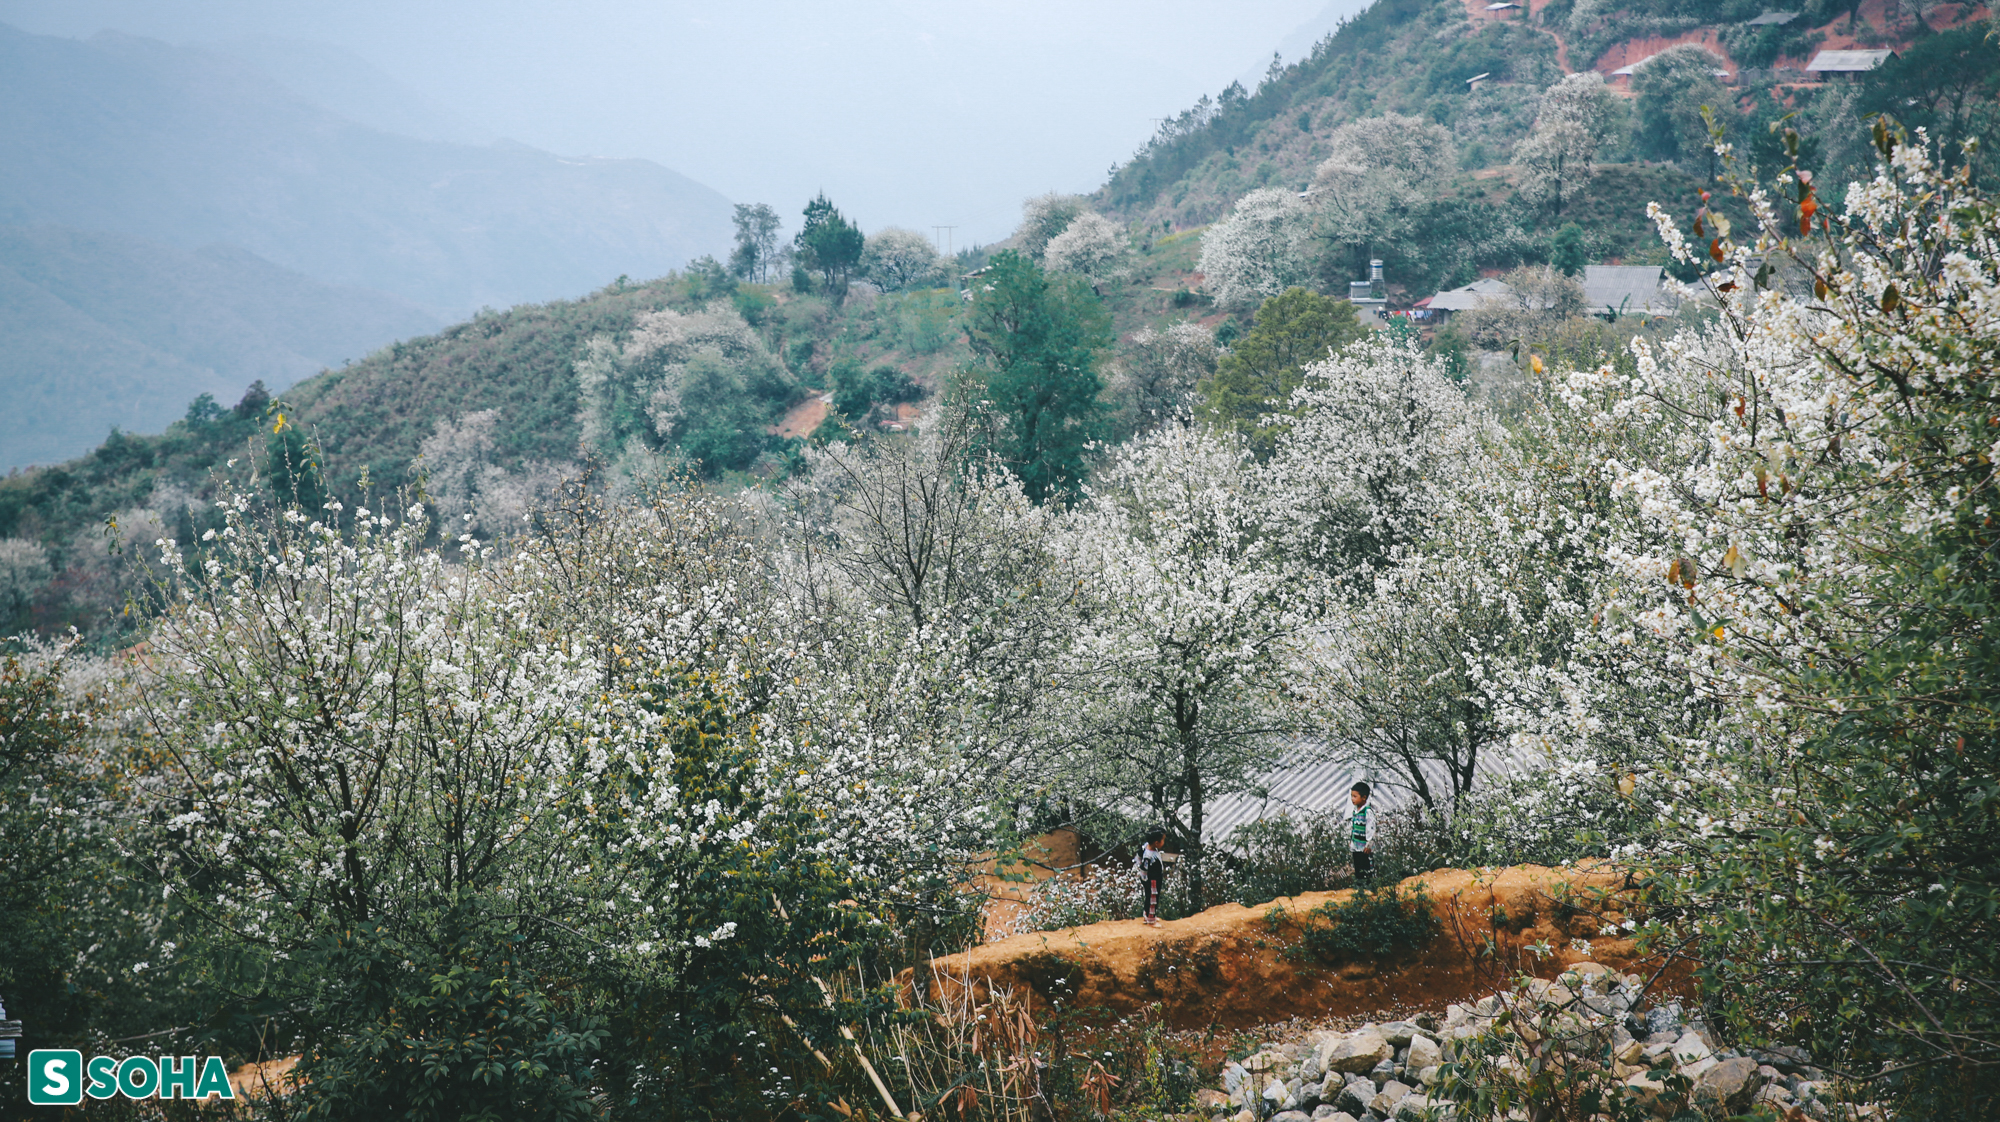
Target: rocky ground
(1592,1027)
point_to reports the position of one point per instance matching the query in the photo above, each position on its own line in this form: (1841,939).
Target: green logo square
(55,1077)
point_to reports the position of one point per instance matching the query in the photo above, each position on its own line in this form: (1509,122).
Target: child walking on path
(1362,825)
(1151,865)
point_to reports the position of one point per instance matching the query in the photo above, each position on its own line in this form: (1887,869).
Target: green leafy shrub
(1372,923)
(857,391)
(1285,856)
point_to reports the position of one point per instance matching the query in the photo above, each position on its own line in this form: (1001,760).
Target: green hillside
(1417,57)
(704,369)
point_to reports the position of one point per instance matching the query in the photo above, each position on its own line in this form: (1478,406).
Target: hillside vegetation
(1487,211)
(521,397)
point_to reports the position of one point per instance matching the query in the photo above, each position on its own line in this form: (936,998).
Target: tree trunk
(1191,847)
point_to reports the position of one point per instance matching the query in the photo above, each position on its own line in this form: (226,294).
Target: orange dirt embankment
(1230,965)
(1009,891)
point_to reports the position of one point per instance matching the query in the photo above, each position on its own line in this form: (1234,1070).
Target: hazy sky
(906,112)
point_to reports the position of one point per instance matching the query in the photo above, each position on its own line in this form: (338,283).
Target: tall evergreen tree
(1039,338)
(830,244)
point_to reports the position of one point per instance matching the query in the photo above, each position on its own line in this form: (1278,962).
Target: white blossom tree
(1187,642)
(1384,451)
(1557,157)
(1262,248)
(1785,589)
(1380,170)
(24,572)
(461,479)
(523,777)
(1091,246)
(896,259)
(1158,371)
(1043,217)
(930,606)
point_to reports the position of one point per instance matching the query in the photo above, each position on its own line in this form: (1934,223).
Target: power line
(947,237)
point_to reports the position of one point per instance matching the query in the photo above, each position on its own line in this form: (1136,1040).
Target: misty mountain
(191,147)
(103,329)
(337,79)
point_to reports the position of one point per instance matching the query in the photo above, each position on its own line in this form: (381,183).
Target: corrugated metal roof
(1307,782)
(1848,62)
(1471,296)
(1627,289)
(1769,19)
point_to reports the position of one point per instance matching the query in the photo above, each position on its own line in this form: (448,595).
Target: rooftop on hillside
(1849,62)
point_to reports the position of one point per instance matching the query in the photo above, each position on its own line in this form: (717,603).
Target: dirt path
(804,417)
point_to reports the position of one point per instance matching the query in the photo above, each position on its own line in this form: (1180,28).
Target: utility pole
(947,237)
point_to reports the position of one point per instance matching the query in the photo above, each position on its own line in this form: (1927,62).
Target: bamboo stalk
(826,994)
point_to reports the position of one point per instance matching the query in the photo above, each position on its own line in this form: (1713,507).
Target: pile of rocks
(1591,1018)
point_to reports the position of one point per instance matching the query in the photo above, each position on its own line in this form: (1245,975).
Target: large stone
(1775,1094)
(1328,1114)
(1270,1059)
(1277,1096)
(1353,1098)
(1398,1033)
(1786,1058)
(1646,1090)
(1309,1069)
(1424,1052)
(1209,1100)
(1691,1049)
(1233,1079)
(1664,1018)
(1291,1116)
(1413,1108)
(1730,1084)
(1356,1051)
(1384,1103)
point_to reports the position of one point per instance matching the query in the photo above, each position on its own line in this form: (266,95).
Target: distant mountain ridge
(338,80)
(191,147)
(102,329)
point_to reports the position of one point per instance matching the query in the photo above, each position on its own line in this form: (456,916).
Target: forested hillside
(1498,187)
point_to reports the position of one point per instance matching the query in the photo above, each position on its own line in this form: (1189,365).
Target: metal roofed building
(1849,63)
(1471,296)
(1607,290)
(1771,19)
(1721,74)
(1627,290)
(1305,782)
